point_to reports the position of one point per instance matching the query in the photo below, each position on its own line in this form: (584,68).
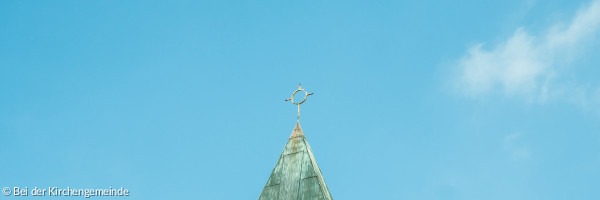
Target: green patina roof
(296,174)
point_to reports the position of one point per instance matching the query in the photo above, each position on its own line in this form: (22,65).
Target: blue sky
(413,99)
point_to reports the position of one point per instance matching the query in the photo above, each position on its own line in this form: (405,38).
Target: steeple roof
(296,175)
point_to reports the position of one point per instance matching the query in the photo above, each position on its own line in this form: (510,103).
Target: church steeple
(297,132)
(296,175)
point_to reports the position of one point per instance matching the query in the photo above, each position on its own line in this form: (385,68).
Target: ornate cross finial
(306,94)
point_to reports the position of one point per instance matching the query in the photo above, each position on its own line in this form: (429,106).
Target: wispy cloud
(516,151)
(527,65)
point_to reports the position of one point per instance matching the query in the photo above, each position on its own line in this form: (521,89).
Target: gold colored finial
(306,94)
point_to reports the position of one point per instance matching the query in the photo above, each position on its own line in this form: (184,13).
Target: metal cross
(306,94)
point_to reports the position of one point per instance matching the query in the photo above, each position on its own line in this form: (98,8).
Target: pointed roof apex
(297,131)
(296,175)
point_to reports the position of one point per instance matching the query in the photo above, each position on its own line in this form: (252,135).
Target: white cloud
(527,65)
